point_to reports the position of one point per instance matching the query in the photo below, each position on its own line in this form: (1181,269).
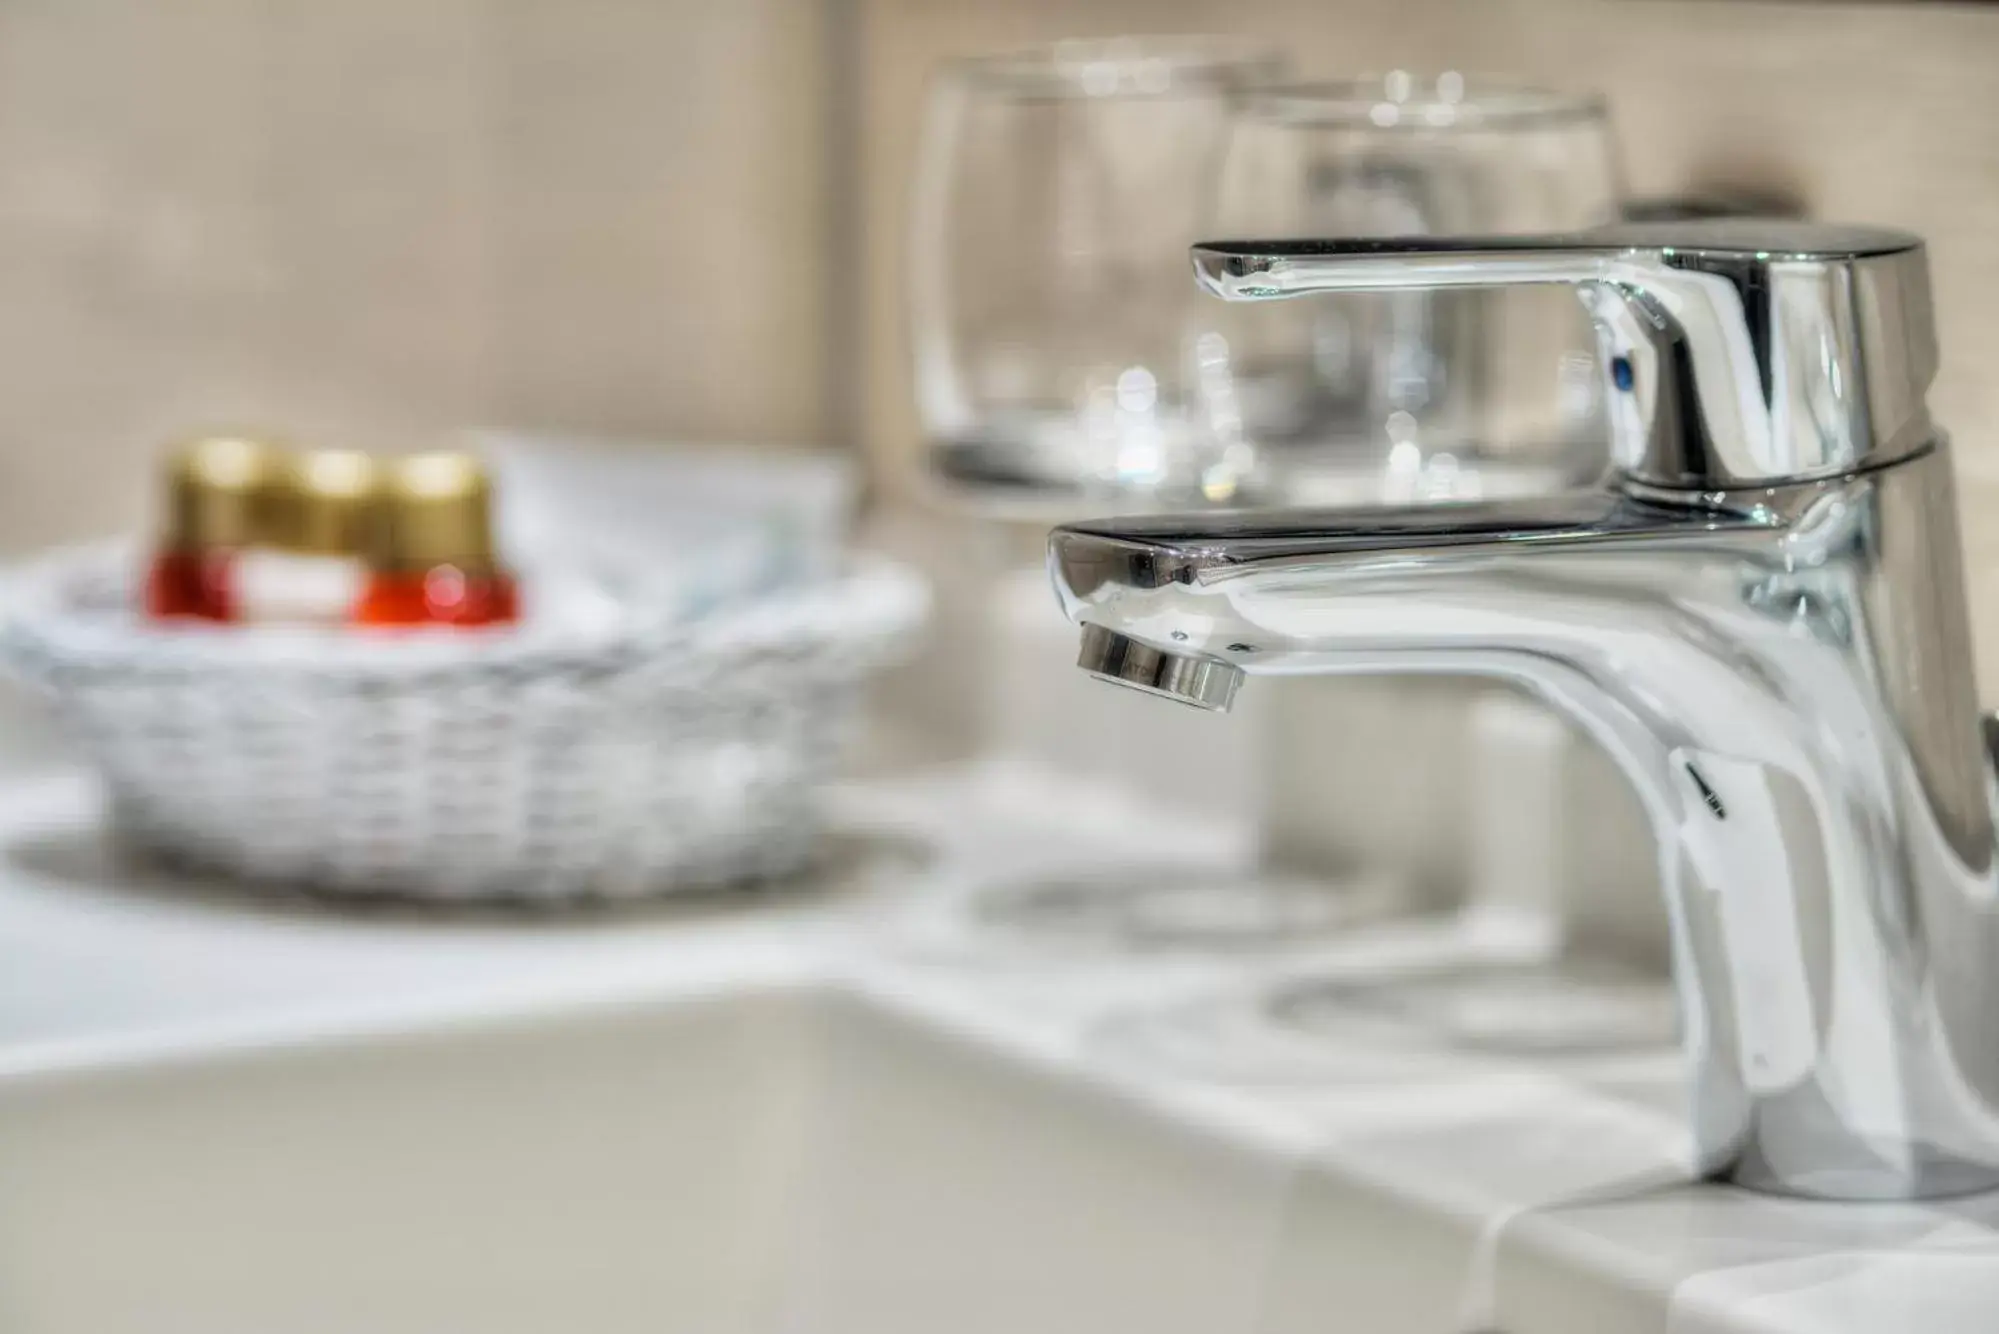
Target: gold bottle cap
(221,492)
(328,504)
(436,510)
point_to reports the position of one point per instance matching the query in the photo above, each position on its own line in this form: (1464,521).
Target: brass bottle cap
(436,510)
(221,492)
(328,503)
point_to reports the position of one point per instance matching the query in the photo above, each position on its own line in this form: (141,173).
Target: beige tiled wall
(1870,112)
(382,220)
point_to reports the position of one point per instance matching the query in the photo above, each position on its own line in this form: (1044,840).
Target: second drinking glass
(1407,396)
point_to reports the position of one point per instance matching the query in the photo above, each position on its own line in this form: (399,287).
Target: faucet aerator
(1186,678)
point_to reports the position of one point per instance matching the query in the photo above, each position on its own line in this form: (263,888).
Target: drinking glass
(1056,194)
(1409,396)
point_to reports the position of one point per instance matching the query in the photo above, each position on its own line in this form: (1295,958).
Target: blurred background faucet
(1760,614)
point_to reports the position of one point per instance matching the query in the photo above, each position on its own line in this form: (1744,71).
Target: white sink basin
(790,1159)
(966,1188)
(605,1170)
(758,1122)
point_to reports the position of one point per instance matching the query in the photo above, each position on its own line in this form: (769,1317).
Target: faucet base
(1799,1147)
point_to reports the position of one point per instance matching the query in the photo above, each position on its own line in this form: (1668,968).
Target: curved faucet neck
(1786,678)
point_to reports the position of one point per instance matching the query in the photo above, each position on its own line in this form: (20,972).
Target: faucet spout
(1784,674)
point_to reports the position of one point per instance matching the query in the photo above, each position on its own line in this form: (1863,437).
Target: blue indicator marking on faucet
(1621,373)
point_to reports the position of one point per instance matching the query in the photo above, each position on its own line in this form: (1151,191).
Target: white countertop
(1560,1187)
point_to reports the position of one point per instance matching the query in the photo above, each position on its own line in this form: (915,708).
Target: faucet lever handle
(1737,352)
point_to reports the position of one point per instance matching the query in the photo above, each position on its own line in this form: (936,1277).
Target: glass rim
(1400,101)
(1123,67)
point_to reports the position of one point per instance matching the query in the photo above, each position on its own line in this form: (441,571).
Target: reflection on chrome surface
(1760,615)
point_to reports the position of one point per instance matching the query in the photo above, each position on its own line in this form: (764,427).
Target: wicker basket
(613,754)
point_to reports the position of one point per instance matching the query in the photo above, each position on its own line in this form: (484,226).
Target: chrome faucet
(1760,613)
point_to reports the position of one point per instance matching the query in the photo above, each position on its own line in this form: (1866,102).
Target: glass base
(1007,478)
(1001,479)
